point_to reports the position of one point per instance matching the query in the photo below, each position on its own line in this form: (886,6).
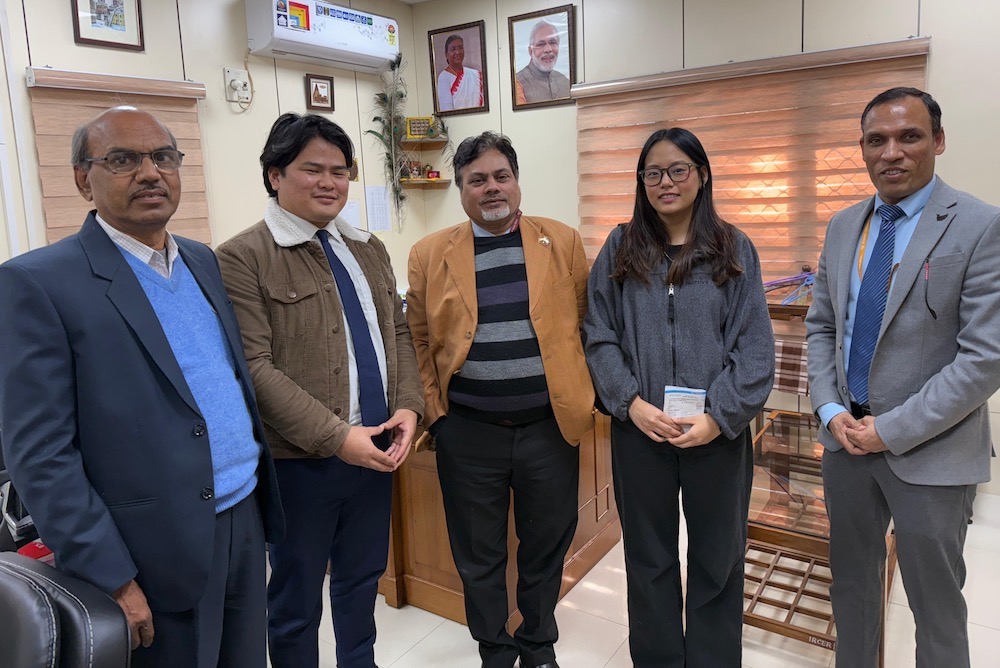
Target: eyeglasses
(677,172)
(166,160)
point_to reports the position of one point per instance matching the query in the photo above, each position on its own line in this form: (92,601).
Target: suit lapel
(537,255)
(460,259)
(130,300)
(937,215)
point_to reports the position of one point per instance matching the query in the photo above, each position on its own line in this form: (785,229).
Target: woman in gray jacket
(676,299)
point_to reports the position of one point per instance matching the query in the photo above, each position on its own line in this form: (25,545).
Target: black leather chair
(49,619)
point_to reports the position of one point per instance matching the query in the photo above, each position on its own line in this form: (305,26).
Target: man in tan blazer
(495,306)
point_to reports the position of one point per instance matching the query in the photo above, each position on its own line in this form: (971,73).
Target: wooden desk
(421,571)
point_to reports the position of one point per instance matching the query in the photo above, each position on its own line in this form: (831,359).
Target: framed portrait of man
(542,57)
(458,69)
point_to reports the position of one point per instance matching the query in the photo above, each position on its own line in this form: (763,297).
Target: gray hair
(471,148)
(535,29)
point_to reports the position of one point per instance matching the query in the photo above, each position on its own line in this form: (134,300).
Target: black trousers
(478,465)
(714,481)
(338,513)
(227,627)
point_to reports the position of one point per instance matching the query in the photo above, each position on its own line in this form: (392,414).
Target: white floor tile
(621,659)
(586,641)
(602,592)
(982,588)
(400,630)
(447,646)
(762,649)
(900,643)
(983,643)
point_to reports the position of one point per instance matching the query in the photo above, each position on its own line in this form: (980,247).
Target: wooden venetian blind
(781,134)
(61,101)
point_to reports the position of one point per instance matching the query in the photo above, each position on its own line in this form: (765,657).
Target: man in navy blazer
(902,390)
(129,421)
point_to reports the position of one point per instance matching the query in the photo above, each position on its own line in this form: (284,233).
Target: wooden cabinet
(421,571)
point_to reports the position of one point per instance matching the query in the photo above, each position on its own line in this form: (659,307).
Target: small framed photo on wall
(542,57)
(458,69)
(116,24)
(319,92)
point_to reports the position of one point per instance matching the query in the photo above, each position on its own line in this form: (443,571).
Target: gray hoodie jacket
(719,338)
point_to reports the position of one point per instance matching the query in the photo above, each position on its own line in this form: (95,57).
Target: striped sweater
(502,380)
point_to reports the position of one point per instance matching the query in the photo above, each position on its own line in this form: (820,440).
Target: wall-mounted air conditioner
(318,32)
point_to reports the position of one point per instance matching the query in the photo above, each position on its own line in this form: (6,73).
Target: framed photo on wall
(458,69)
(319,92)
(542,57)
(116,24)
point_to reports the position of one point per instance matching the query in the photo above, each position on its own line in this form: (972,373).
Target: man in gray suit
(904,352)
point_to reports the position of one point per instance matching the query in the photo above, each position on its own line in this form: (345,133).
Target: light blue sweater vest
(203,353)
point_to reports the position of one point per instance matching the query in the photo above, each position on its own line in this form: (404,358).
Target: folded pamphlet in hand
(681,402)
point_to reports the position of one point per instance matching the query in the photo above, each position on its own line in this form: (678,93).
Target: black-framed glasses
(166,160)
(677,172)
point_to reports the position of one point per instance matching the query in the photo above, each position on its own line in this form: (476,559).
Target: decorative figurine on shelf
(416,170)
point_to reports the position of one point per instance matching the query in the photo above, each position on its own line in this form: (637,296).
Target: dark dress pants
(226,628)
(714,481)
(478,466)
(338,513)
(862,493)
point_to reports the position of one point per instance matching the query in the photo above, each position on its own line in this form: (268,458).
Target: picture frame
(319,92)
(463,92)
(420,127)
(541,73)
(115,24)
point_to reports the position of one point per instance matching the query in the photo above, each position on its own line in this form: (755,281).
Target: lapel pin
(941,216)
(544,241)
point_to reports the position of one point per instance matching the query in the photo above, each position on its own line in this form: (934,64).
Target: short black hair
(898,93)
(473,147)
(290,134)
(453,38)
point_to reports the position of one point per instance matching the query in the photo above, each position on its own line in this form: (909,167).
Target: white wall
(615,39)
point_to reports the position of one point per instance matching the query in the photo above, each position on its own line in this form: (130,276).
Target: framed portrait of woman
(458,69)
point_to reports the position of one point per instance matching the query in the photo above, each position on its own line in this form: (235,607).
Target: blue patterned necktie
(870,308)
(372,394)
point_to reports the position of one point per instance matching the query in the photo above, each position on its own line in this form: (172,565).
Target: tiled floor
(593,620)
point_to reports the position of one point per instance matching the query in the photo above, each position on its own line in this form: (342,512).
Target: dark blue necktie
(871,303)
(372,395)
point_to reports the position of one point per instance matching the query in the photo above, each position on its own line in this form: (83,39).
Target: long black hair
(710,239)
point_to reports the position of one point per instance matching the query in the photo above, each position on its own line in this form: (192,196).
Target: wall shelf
(425,184)
(423,144)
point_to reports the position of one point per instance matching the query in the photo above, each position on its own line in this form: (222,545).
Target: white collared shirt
(302,231)
(161,262)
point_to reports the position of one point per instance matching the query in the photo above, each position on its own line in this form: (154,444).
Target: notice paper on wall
(683,402)
(377,206)
(352,213)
